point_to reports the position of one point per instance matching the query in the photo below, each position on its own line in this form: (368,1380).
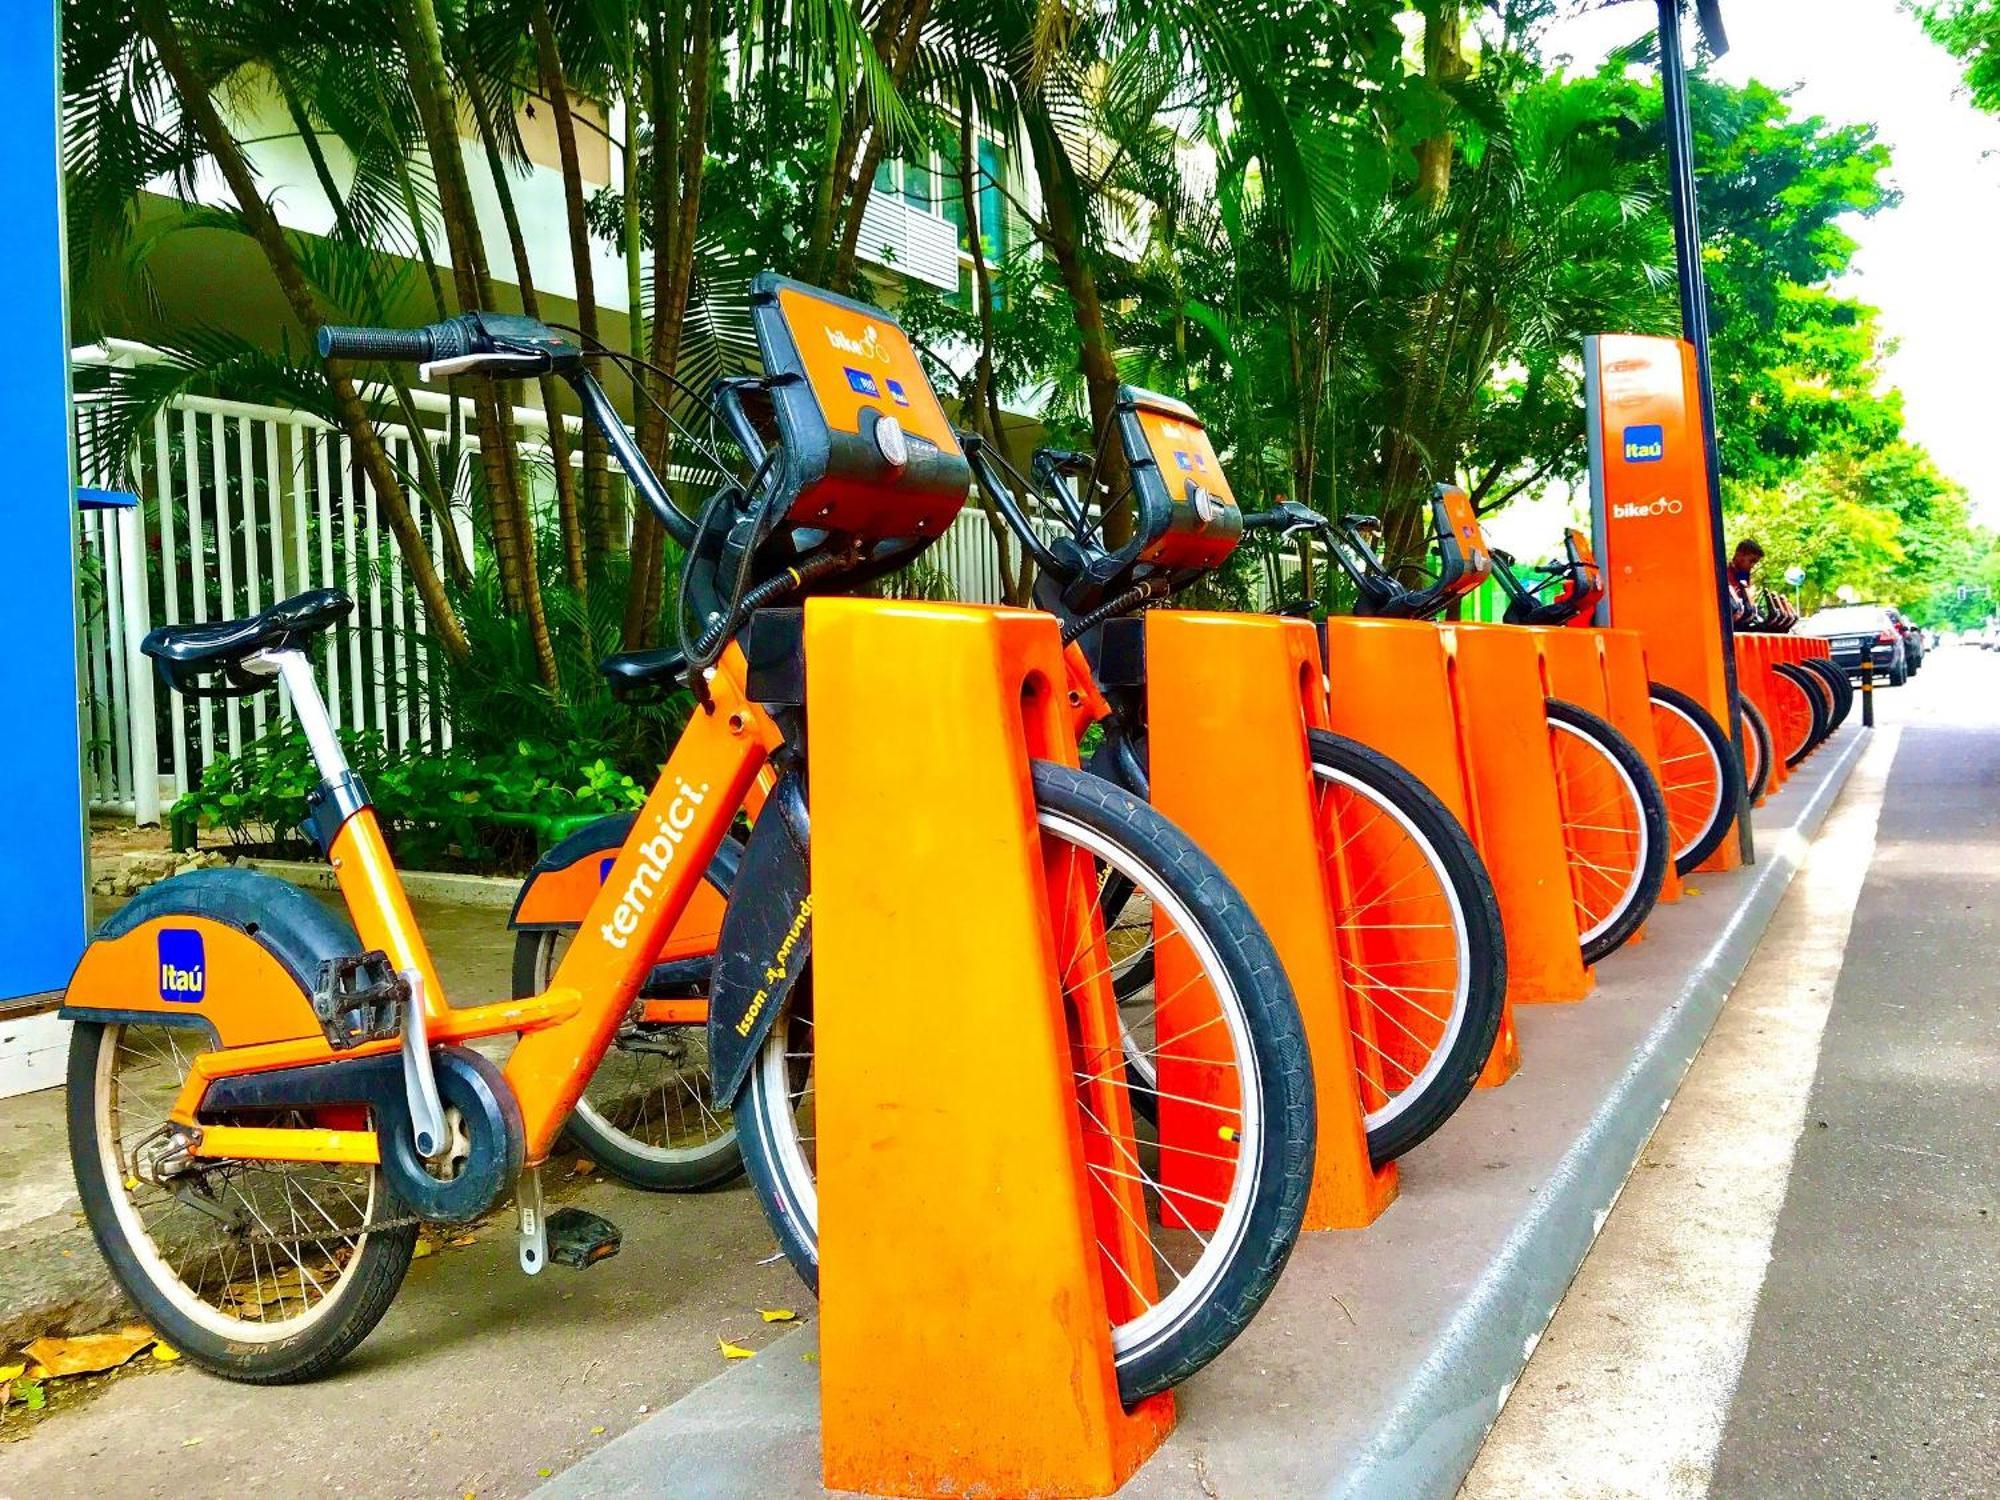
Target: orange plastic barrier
(1240,691)
(1753,680)
(953,1191)
(1390,688)
(1516,810)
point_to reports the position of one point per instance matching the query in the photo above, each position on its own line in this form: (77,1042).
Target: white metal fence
(241,505)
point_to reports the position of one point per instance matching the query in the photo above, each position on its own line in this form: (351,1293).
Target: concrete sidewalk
(1384,1355)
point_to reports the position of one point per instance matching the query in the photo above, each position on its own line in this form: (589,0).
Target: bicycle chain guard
(490,1140)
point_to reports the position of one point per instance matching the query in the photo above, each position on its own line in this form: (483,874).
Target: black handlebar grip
(413,344)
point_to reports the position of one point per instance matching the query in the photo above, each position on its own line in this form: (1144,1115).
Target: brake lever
(458,364)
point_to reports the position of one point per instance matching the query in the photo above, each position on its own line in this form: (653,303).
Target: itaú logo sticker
(1645,444)
(183,966)
(1660,507)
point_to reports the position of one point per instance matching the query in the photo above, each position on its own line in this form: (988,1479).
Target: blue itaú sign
(42,861)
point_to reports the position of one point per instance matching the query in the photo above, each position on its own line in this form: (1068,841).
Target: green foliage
(1970,31)
(484,810)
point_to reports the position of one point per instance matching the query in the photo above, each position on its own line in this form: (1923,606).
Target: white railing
(241,505)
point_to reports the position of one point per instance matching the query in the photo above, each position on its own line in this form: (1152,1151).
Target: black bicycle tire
(1843,690)
(306,1355)
(1755,728)
(1817,697)
(1277,1034)
(1653,812)
(1486,944)
(1723,753)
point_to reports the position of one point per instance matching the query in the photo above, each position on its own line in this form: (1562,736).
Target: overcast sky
(1932,264)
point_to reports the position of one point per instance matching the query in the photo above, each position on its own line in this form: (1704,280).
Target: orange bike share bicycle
(1614,816)
(1417,929)
(1696,780)
(266,1100)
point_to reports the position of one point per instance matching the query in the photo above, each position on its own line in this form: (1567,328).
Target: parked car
(1850,630)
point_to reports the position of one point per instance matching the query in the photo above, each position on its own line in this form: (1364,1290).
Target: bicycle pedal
(579,1238)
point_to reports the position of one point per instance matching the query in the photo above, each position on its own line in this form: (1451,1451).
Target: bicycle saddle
(644,676)
(183,654)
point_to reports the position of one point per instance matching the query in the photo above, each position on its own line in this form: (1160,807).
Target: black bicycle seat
(186,653)
(644,676)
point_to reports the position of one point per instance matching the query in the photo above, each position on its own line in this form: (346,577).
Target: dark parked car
(1852,629)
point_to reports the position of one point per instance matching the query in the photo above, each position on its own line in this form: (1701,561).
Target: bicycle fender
(766,942)
(231,952)
(559,890)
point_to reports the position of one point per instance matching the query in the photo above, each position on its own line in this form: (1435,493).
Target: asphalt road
(1874,1361)
(1798,1294)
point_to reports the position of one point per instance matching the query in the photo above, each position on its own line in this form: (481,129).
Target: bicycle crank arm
(426,1110)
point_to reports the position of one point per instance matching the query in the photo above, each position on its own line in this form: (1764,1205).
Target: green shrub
(439,808)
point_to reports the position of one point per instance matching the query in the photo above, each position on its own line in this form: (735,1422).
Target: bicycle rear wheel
(1697,779)
(1417,930)
(1614,827)
(1214,1177)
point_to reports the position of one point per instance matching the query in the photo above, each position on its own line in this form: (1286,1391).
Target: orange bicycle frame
(565,1030)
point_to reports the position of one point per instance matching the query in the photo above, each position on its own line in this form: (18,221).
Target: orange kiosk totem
(1651,518)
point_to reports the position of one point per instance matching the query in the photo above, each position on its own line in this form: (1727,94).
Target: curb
(421,885)
(1383,1357)
(1427,1443)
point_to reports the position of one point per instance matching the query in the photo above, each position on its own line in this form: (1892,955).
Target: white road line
(1629,1387)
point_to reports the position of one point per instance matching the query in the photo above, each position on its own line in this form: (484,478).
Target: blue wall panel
(41,816)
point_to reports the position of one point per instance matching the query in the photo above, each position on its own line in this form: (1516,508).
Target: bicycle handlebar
(416,345)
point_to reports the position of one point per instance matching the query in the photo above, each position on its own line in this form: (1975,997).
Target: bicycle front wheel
(1696,780)
(1213,1176)
(1813,715)
(1756,749)
(1614,827)
(1417,929)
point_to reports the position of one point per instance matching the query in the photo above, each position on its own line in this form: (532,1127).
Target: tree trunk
(602,532)
(513,531)
(264,228)
(985,396)
(568,523)
(682,76)
(1063,205)
(430,483)
(817,260)
(1444,65)
(908,33)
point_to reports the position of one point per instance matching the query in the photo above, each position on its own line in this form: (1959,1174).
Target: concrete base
(1385,1354)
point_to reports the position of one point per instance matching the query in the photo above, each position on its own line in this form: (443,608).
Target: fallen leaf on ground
(166,1354)
(424,1247)
(32,1395)
(598,1431)
(193,1442)
(776,1314)
(732,1351)
(543,1473)
(1691,890)
(583,1166)
(86,1354)
(810,1357)
(9,1372)
(463,1240)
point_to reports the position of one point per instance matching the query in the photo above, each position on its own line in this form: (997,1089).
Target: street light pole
(1694,324)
